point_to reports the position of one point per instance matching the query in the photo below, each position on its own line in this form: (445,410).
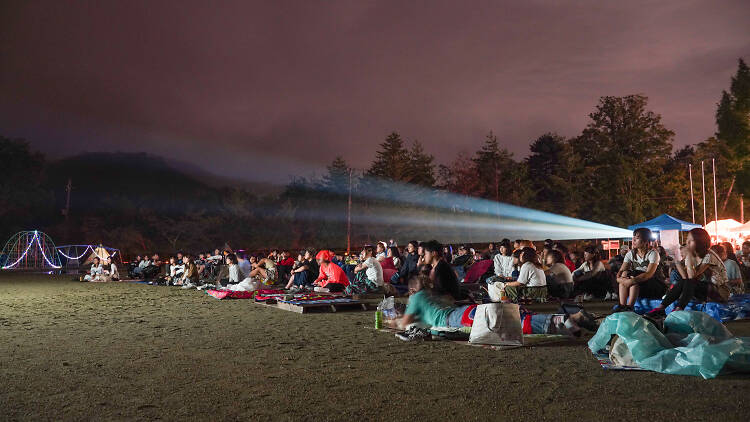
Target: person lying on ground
(591,278)
(532,282)
(702,275)
(368,274)
(444,279)
(637,274)
(429,309)
(95,271)
(331,278)
(559,278)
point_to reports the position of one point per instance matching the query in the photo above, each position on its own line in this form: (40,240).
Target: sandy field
(122,351)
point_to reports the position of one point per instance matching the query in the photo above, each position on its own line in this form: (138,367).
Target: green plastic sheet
(693,344)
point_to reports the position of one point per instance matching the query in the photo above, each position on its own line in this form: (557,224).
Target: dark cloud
(263,90)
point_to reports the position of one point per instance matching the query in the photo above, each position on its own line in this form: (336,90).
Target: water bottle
(378,319)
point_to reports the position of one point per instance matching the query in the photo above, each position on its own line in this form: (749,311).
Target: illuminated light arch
(29,250)
(74,256)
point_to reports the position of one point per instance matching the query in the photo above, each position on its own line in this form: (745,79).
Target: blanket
(229,294)
(738,307)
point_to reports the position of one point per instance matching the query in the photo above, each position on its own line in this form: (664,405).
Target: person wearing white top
(591,277)
(503,262)
(95,272)
(559,277)
(532,283)
(372,268)
(636,277)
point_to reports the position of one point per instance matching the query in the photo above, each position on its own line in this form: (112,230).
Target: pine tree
(421,167)
(550,175)
(494,168)
(391,161)
(337,178)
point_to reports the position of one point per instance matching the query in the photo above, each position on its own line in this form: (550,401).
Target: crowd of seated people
(516,271)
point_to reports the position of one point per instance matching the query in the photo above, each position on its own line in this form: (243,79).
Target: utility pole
(703,183)
(692,201)
(68,188)
(716,207)
(742,208)
(349,217)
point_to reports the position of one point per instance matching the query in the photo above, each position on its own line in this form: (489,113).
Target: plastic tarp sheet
(694,344)
(738,307)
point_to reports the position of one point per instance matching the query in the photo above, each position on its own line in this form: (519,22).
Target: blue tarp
(737,307)
(665,222)
(694,344)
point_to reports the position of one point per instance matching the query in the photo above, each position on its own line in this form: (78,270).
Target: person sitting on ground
(409,266)
(480,270)
(531,283)
(284,267)
(636,277)
(264,271)
(564,251)
(144,263)
(234,273)
(368,276)
(95,271)
(190,277)
(591,278)
(503,262)
(244,263)
(430,309)
(576,258)
(448,254)
(616,261)
(443,277)
(734,274)
(110,271)
(331,278)
(462,262)
(303,276)
(176,270)
(420,255)
(702,275)
(395,256)
(559,278)
(296,268)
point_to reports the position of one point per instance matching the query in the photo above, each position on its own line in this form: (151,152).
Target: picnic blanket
(229,294)
(694,344)
(737,307)
(323,300)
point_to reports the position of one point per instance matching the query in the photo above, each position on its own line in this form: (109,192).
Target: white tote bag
(497,324)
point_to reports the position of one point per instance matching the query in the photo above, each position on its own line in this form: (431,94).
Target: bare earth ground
(121,351)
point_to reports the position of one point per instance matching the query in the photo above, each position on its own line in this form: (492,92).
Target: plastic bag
(497,324)
(388,307)
(694,344)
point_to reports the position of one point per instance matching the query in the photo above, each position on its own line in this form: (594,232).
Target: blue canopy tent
(667,229)
(665,222)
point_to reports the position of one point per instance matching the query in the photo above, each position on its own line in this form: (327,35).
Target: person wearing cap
(331,278)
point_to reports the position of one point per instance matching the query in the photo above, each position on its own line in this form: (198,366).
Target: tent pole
(692,200)
(703,183)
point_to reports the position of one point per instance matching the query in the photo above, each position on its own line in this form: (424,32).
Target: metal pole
(349,217)
(692,200)
(716,207)
(742,208)
(703,183)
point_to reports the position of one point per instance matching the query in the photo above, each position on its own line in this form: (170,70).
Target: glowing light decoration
(77,255)
(29,250)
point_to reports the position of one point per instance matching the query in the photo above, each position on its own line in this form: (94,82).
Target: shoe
(588,297)
(615,296)
(608,296)
(188,286)
(414,333)
(621,308)
(656,313)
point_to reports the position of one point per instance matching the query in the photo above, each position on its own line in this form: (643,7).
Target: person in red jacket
(331,278)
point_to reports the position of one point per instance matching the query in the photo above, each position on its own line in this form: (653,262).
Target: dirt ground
(121,351)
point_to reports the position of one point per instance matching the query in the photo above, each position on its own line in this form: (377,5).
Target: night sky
(265,90)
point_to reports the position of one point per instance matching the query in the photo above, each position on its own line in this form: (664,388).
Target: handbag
(497,324)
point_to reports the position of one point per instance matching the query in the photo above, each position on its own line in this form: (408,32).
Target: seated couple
(263,272)
(428,308)
(701,275)
(102,273)
(531,282)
